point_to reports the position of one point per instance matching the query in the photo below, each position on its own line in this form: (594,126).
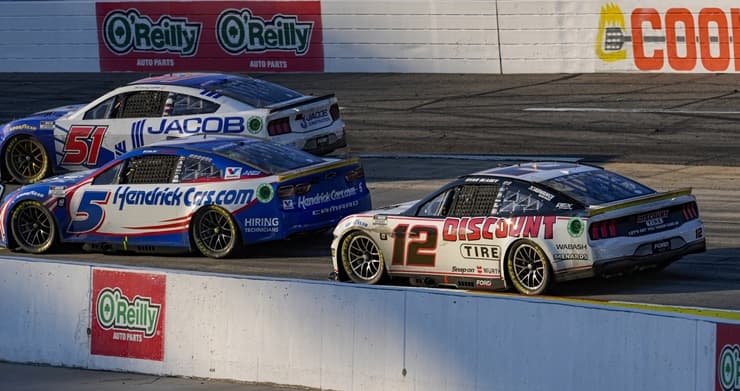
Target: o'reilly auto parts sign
(244,36)
(128,314)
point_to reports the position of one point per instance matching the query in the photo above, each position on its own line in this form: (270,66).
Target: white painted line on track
(471,157)
(645,111)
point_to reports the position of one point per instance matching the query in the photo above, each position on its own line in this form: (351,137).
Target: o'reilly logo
(729,368)
(239,31)
(118,312)
(124,31)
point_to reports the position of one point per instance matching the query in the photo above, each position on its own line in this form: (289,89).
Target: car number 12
(415,246)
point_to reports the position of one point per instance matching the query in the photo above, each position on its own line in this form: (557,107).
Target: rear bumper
(325,143)
(631,263)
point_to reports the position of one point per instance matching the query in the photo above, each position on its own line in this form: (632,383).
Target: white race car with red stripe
(524,226)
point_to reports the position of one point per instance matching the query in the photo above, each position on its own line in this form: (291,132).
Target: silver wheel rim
(214,231)
(26,159)
(529,267)
(364,257)
(32,227)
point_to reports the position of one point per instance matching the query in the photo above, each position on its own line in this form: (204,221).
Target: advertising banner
(236,36)
(728,357)
(657,37)
(128,314)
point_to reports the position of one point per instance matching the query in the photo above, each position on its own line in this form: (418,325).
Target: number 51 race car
(79,137)
(212,193)
(524,226)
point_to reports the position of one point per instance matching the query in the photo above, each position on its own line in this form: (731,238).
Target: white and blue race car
(212,193)
(79,137)
(523,226)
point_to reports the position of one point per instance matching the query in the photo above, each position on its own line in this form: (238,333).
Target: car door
(107,130)
(445,235)
(136,199)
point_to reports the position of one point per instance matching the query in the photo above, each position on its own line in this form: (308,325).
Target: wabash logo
(678,38)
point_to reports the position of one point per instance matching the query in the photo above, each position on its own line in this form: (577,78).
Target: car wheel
(214,232)
(33,227)
(26,160)
(528,268)
(361,259)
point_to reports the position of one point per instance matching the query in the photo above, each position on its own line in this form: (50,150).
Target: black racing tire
(361,259)
(528,268)
(33,227)
(26,160)
(214,232)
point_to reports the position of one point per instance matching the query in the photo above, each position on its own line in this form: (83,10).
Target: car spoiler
(322,167)
(600,209)
(310,99)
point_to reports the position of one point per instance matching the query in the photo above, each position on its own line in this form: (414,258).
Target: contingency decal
(164,36)
(128,314)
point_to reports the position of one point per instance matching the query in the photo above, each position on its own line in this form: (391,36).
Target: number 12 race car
(210,193)
(524,226)
(79,137)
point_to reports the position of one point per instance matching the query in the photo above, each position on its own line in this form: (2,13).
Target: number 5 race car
(78,137)
(524,226)
(210,193)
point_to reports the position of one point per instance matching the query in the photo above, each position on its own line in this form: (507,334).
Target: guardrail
(347,337)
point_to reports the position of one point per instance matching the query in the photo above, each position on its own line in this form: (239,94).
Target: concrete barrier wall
(348,337)
(446,36)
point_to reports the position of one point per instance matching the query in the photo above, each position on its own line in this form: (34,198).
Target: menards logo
(678,38)
(239,31)
(126,31)
(116,311)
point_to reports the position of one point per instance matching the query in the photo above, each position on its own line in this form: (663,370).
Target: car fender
(15,198)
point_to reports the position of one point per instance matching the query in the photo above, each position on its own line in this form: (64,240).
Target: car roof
(536,171)
(201,141)
(193,80)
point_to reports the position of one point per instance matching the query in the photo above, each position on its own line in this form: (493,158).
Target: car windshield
(269,157)
(598,187)
(254,92)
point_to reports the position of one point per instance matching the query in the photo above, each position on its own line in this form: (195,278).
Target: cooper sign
(677,39)
(128,313)
(235,36)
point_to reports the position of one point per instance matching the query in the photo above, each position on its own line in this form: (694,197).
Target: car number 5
(90,214)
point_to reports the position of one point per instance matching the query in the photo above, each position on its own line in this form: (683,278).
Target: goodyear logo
(126,31)
(677,39)
(239,31)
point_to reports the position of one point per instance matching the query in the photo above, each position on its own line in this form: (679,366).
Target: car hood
(44,188)
(395,209)
(42,120)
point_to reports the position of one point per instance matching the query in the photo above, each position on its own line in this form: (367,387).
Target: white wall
(348,337)
(445,36)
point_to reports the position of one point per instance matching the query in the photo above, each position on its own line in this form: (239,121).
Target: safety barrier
(348,337)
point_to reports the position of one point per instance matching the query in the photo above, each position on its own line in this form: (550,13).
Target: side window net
(143,104)
(472,200)
(150,169)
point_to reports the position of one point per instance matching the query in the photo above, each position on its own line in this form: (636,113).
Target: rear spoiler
(279,107)
(600,209)
(326,166)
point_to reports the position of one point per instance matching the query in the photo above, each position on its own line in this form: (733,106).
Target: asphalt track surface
(669,131)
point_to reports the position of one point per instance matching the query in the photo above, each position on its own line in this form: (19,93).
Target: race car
(78,137)
(213,193)
(525,225)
